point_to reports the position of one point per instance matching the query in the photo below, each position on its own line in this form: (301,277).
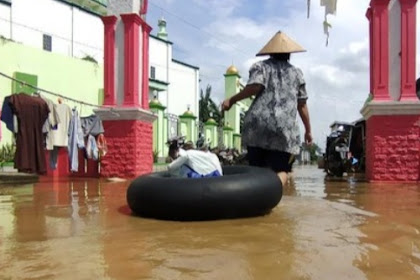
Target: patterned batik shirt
(270,122)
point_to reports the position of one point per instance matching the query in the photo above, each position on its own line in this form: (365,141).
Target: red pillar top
(131,18)
(109,20)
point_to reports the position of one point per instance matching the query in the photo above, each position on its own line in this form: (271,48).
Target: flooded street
(320,230)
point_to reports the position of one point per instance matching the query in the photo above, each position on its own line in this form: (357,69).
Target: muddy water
(320,230)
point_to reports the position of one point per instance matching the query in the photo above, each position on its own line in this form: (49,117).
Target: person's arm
(304,115)
(247,92)
(176,164)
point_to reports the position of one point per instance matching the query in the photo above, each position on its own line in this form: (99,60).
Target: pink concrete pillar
(145,77)
(380,49)
(131,59)
(371,74)
(109,60)
(408,50)
(143,9)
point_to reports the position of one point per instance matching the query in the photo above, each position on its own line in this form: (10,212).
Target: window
(152,72)
(47,42)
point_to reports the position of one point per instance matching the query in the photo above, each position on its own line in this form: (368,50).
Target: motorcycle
(336,158)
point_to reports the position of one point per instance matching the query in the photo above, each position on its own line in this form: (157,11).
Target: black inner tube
(242,191)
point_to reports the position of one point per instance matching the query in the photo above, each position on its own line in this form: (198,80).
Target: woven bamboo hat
(281,43)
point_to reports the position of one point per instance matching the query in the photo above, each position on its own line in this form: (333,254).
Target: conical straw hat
(281,43)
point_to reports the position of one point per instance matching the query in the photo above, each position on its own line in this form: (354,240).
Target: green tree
(207,107)
(314,151)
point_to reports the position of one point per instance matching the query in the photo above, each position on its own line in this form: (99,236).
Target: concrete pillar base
(128,132)
(392,141)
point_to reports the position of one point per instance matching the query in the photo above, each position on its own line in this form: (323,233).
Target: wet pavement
(335,229)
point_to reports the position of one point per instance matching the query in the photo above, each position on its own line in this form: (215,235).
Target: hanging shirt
(7,114)
(92,125)
(196,164)
(51,122)
(31,113)
(60,135)
(75,141)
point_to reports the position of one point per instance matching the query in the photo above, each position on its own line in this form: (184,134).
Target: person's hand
(308,138)
(227,104)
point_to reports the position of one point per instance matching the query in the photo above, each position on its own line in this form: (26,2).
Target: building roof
(232,70)
(97,7)
(185,64)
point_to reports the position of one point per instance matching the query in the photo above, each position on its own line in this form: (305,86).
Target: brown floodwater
(322,229)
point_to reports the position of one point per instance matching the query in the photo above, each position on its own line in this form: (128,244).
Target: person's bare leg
(283,178)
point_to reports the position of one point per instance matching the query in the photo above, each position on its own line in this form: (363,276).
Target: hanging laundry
(76,141)
(92,125)
(308,8)
(8,117)
(330,6)
(7,114)
(60,136)
(31,114)
(51,123)
(91,148)
(327,27)
(102,146)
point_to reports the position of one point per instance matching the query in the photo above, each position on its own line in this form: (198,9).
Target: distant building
(74,28)
(67,31)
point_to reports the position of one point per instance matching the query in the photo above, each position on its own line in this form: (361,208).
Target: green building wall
(232,129)
(71,77)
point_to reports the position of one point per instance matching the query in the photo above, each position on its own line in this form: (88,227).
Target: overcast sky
(212,34)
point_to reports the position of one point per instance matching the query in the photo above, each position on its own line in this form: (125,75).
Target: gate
(173,121)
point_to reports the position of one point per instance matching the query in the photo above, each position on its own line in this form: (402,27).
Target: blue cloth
(7,114)
(193,174)
(76,141)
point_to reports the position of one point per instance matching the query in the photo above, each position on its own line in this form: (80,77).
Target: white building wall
(158,52)
(31,21)
(88,35)
(74,31)
(158,57)
(394,49)
(4,20)
(183,89)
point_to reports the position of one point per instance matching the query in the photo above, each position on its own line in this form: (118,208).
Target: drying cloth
(60,135)
(75,141)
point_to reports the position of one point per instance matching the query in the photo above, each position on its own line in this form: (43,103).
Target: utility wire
(50,92)
(54,35)
(200,29)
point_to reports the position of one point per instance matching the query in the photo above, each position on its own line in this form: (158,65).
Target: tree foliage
(208,107)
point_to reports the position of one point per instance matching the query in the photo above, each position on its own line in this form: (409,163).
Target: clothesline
(50,92)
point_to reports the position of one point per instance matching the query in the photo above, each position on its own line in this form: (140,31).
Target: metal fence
(173,121)
(200,130)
